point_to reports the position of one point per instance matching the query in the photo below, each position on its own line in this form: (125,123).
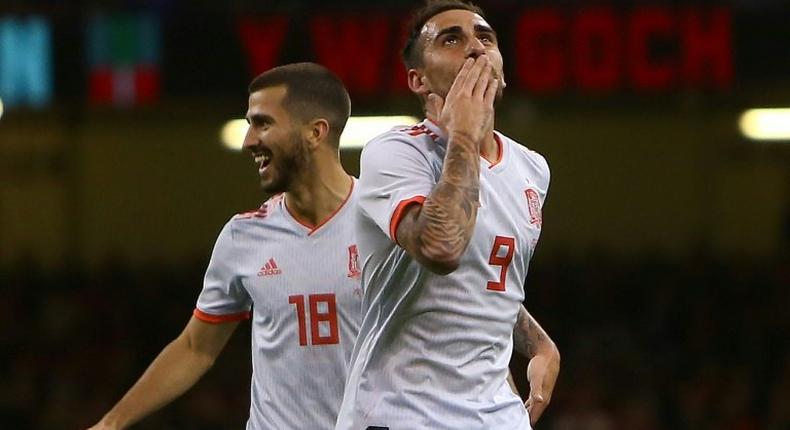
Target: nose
(249,139)
(475,48)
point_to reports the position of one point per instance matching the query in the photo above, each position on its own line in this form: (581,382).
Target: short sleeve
(394,174)
(545,177)
(223,297)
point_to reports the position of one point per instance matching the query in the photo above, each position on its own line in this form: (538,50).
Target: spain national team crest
(353,262)
(533,204)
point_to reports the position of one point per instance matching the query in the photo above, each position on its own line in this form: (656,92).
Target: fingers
(483,81)
(535,404)
(535,392)
(474,79)
(470,82)
(534,415)
(460,78)
(491,91)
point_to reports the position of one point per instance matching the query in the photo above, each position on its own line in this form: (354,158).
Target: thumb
(536,393)
(434,106)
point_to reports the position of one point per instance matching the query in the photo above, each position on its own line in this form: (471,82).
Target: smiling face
(274,139)
(447,40)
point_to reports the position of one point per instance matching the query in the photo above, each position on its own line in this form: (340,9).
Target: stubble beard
(289,167)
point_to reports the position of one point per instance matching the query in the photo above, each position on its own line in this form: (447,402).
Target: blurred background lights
(358,131)
(232,134)
(361,129)
(766,124)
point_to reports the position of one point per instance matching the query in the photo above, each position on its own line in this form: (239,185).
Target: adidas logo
(270,269)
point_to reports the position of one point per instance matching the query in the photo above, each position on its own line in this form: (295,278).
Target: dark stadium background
(663,271)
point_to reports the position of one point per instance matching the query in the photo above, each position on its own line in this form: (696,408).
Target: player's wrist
(463,139)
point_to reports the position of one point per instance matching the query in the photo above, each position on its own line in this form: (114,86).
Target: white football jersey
(433,351)
(303,285)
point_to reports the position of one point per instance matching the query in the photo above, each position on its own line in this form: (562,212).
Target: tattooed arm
(437,232)
(531,340)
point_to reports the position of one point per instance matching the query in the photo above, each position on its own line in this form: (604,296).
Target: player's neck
(319,192)
(490,150)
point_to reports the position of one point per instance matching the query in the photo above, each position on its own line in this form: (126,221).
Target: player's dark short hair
(312,91)
(412,51)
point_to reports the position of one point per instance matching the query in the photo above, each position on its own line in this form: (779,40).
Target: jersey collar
(442,141)
(435,129)
(309,229)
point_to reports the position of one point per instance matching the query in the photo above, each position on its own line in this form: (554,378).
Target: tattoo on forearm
(448,215)
(521,339)
(528,335)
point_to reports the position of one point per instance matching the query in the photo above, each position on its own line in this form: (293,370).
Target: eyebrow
(456,29)
(259,118)
(480,28)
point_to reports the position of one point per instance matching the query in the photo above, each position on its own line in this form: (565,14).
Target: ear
(417,83)
(316,131)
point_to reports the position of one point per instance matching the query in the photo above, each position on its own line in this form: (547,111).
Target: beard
(287,167)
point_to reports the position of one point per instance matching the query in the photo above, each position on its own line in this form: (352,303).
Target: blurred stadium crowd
(695,345)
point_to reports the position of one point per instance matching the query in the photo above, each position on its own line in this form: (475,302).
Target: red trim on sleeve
(216,319)
(398,214)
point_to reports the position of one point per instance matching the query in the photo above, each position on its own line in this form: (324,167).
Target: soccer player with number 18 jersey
(292,266)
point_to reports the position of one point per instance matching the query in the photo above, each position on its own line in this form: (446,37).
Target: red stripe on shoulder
(217,319)
(397,215)
(409,129)
(419,130)
(262,211)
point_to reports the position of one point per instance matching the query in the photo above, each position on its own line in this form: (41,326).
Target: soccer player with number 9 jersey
(449,214)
